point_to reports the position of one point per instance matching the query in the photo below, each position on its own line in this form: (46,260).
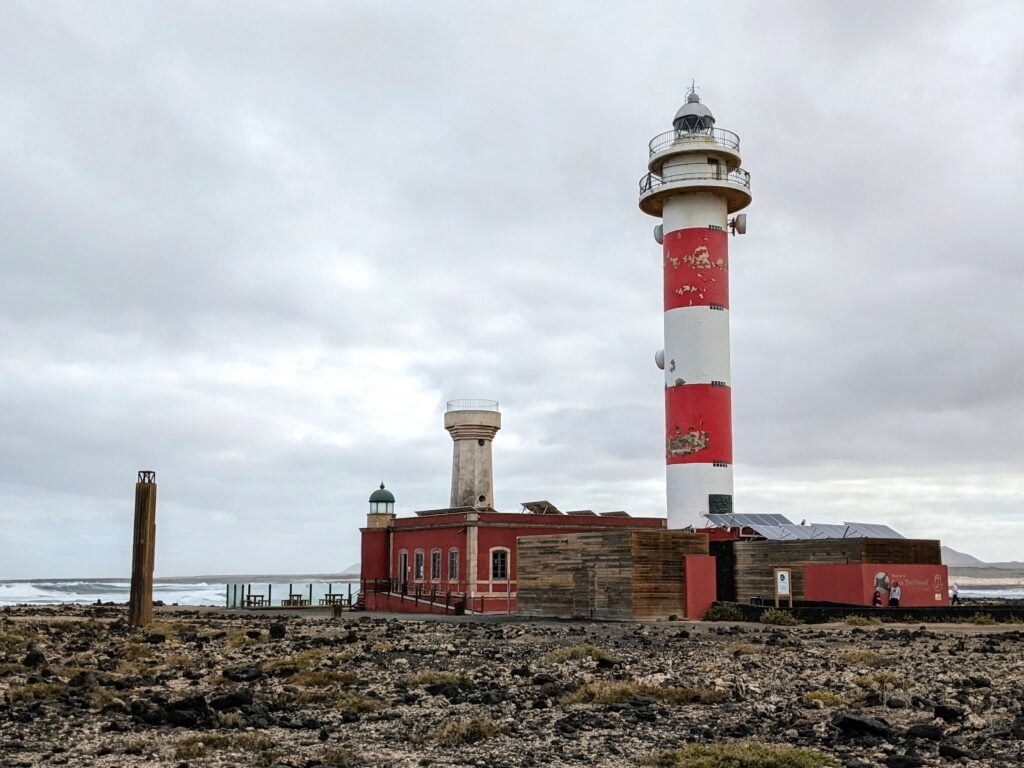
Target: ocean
(86,591)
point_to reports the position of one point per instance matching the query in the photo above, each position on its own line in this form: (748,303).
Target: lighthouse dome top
(693,116)
(382,495)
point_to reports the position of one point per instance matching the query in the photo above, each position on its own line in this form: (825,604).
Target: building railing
(716,136)
(472,405)
(454,601)
(694,172)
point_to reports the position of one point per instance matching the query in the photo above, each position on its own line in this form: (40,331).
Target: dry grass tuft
(617,691)
(36,691)
(827,698)
(779,618)
(740,755)
(864,658)
(201,745)
(743,649)
(465,730)
(322,678)
(863,621)
(430,676)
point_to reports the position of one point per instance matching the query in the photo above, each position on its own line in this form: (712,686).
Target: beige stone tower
(472,425)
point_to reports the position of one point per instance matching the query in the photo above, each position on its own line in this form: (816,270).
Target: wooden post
(140,600)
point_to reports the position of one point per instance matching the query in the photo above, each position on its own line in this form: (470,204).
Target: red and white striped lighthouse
(695,182)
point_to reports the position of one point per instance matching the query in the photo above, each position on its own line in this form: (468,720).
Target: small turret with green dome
(382,501)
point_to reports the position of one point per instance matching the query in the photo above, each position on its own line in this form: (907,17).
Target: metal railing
(455,601)
(716,136)
(472,405)
(698,172)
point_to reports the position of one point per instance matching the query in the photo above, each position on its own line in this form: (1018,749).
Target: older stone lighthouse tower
(695,182)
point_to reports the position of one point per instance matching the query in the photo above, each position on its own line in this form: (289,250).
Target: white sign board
(782,582)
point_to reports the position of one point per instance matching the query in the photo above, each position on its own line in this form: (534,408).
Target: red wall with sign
(855,584)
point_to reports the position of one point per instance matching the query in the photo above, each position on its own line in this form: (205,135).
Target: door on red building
(403,571)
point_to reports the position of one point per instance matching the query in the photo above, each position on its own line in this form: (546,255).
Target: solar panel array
(873,531)
(779,528)
(747,521)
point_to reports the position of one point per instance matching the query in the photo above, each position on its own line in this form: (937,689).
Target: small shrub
(465,730)
(136,651)
(779,618)
(862,621)
(36,692)
(230,720)
(241,638)
(740,755)
(322,677)
(341,758)
(985,619)
(881,680)
(177,661)
(616,691)
(12,669)
(864,658)
(430,676)
(355,701)
(301,661)
(99,697)
(827,698)
(743,649)
(18,639)
(201,745)
(573,652)
(724,612)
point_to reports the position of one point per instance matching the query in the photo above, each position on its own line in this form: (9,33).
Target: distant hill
(959,559)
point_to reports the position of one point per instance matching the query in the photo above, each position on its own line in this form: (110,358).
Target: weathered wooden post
(140,602)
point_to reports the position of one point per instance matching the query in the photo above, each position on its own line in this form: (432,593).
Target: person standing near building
(876,600)
(954,593)
(894,595)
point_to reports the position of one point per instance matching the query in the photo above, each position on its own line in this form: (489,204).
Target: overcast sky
(256,247)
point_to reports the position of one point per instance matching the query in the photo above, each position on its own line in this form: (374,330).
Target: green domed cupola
(382,501)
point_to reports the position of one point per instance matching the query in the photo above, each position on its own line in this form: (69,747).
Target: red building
(441,559)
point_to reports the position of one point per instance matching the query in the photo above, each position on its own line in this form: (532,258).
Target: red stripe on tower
(698,424)
(696,268)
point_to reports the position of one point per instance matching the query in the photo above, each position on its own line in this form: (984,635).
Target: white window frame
(508,564)
(419,567)
(453,573)
(435,560)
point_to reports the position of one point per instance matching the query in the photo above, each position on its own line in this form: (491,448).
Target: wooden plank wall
(659,590)
(756,562)
(583,575)
(903,551)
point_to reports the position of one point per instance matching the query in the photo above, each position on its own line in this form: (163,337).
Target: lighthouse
(693,185)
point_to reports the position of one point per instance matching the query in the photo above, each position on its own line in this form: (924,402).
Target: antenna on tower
(691,95)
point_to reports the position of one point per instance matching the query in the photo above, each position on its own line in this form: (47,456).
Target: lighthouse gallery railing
(694,172)
(719,136)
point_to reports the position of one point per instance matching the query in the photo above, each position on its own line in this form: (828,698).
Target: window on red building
(499,564)
(419,565)
(453,565)
(435,565)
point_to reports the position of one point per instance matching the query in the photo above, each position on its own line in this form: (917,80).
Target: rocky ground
(79,688)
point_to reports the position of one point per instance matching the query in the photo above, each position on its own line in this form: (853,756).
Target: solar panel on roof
(830,531)
(754,521)
(582,512)
(872,531)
